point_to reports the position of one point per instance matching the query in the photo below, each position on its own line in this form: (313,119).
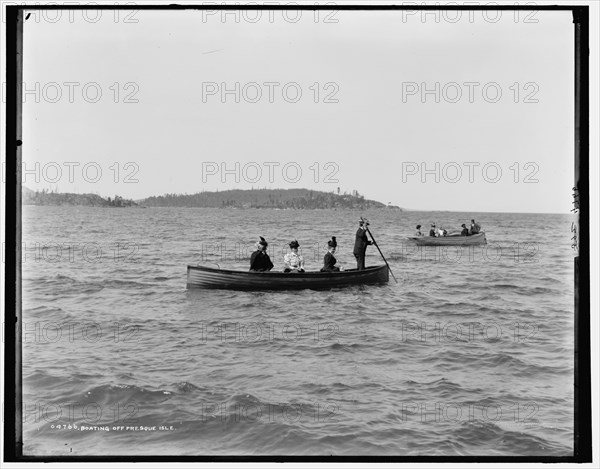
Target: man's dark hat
(418,226)
(332,243)
(294,244)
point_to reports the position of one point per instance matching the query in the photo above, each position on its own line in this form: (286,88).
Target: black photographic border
(13,437)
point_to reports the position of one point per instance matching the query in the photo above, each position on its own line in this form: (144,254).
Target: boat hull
(473,240)
(208,277)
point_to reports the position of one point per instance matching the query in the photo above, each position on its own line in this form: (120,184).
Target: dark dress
(464,232)
(360,248)
(329,263)
(431,232)
(260,262)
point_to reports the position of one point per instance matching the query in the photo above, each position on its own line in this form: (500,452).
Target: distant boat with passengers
(450,240)
(472,236)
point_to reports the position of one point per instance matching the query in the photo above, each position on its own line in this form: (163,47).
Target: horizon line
(303,188)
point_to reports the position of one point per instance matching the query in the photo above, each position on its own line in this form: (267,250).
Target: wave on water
(495,439)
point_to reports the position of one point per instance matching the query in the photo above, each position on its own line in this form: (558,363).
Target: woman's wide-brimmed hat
(332,243)
(294,244)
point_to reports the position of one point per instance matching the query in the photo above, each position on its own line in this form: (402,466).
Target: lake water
(470,353)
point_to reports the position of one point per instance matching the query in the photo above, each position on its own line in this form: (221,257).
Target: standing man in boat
(260,260)
(360,244)
(475,228)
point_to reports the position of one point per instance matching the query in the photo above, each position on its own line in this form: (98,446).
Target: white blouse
(294,260)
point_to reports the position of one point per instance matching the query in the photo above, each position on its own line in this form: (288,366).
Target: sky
(427,111)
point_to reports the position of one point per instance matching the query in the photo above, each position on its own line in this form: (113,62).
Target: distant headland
(240,199)
(267,198)
(45,197)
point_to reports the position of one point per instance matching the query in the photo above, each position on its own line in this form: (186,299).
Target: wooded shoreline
(240,199)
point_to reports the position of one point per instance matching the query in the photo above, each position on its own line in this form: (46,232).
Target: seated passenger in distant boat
(465,230)
(418,232)
(442,232)
(260,260)
(475,227)
(293,261)
(432,230)
(329,260)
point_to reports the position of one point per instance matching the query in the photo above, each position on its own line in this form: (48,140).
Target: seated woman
(260,260)
(418,232)
(329,260)
(293,261)
(465,230)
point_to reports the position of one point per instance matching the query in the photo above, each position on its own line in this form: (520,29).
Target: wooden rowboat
(209,277)
(454,240)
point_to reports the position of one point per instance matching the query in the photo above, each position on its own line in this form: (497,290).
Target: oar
(377,246)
